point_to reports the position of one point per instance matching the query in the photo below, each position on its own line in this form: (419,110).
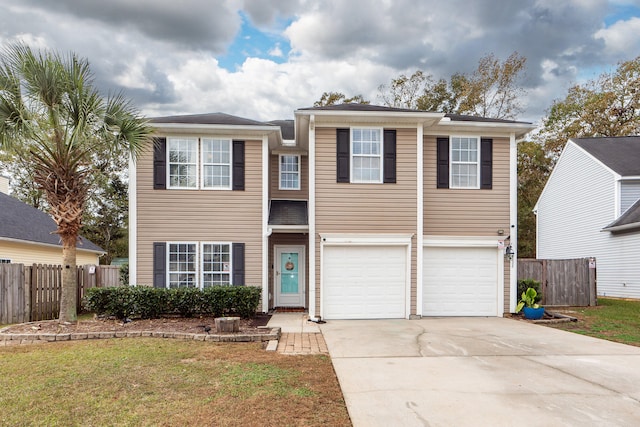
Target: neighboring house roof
(627,221)
(19,221)
(620,154)
(208,119)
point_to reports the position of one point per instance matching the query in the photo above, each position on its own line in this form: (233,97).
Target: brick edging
(8,338)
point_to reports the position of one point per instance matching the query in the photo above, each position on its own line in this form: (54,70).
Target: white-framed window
(465,162)
(216,264)
(5,261)
(182,263)
(182,162)
(216,163)
(366,155)
(289,172)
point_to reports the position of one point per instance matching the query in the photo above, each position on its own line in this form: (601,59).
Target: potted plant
(532,309)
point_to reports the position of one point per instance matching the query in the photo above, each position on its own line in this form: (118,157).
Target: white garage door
(364,282)
(460,281)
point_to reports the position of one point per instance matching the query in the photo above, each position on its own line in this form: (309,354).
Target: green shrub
(246,300)
(216,301)
(524,284)
(148,303)
(186,301)
(124,274)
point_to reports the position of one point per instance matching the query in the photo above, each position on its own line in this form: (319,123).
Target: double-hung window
(183,162)
(465,164)
(366,155)
(182,264)
(289,172)
(216,163)
(216,264)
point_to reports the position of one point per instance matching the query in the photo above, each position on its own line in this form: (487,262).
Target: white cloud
(163,53)
(276,51)
(622,38)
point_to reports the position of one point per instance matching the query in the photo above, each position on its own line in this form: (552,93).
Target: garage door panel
(460,281)
(364,282)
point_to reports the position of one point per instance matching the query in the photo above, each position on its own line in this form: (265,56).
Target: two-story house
(350,211)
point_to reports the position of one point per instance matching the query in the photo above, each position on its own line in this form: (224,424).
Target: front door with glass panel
(289,276)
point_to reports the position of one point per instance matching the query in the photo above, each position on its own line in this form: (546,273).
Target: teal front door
(289,276)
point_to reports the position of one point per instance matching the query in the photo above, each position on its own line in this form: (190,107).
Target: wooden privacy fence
(29,294)
(564,282)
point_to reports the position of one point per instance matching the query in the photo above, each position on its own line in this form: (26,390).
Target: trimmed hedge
(149,303)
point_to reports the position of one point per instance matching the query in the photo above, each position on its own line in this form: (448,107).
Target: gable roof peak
(621,154)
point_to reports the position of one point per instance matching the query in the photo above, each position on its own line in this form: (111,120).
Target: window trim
(380,154)
(168,160)
(299,163)
(478,162)
(202,163)
(201,263)
(168,261)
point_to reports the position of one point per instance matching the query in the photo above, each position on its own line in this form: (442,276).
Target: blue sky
(253,42)
(263,59)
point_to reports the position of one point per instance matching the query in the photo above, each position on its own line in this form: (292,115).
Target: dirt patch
(192,325)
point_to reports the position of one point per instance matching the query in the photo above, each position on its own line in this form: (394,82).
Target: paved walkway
(299,335)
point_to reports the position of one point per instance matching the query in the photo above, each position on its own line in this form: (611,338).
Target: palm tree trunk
(69,292)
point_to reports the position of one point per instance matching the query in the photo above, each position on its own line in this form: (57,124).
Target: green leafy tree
(492,90)
(52,115)
(606,106)
(336,98)
(534,167)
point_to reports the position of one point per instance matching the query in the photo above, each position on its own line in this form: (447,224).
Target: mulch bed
(192,325)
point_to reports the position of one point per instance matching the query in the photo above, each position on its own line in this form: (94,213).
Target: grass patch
(154,382)
(613,319)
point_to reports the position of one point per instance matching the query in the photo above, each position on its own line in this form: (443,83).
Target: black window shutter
(486,163)
(159,265)
(238,264)
(389,156)
(159,163)
(443,163)
(342,155)
(238,165)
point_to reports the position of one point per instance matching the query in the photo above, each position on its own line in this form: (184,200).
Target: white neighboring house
(590,207)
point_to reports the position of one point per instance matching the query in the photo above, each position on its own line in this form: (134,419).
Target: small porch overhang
(288,216)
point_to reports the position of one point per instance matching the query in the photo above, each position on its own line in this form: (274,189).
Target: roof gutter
(49,245)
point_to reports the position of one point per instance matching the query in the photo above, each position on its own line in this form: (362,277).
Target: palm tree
(53,116)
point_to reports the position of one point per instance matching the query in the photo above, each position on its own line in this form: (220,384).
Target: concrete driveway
(481,372)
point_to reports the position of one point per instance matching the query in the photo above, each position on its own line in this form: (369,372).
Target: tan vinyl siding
(366,208)
(27,254)
(458,212)
(274,177)
(201,216)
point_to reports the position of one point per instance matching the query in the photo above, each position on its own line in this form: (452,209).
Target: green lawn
(613,319)
(157,382)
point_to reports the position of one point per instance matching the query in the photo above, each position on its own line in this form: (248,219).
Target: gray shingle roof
(20,221)
(286,127)
(630,219)
(370,107)
(360,107)
(621,154)
(288,212)
(208,119)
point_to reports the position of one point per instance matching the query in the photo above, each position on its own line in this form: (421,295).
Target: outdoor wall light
(508,251)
